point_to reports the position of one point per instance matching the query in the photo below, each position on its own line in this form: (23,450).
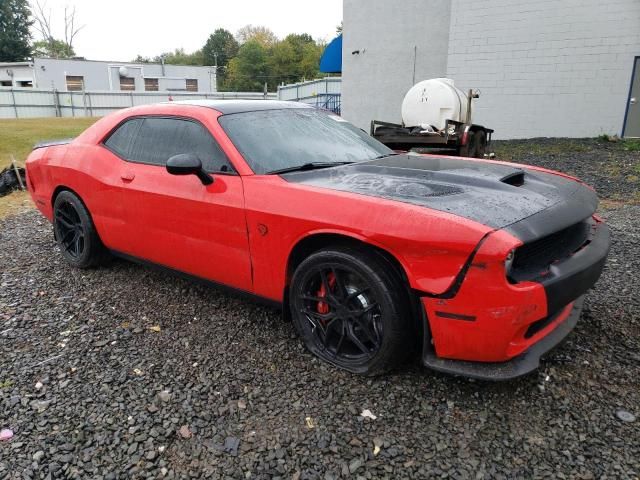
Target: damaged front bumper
(518,366)
(494,330)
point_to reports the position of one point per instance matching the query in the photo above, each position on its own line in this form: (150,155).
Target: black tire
(360,323)
(469,150)
(480,142)
(75,232)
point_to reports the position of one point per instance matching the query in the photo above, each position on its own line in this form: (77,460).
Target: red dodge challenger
(481,265)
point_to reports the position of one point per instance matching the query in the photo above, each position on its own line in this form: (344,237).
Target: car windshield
(274,140)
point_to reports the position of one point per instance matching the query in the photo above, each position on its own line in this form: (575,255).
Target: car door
(176,221)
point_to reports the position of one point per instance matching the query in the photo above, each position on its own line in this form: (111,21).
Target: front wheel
(351,310)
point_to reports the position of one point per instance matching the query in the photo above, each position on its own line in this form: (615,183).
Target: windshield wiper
(386,155)
(307,166)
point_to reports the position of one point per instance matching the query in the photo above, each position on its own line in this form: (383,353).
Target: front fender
(431,246)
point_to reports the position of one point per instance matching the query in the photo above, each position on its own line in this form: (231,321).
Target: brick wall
(388,37)
(546,68)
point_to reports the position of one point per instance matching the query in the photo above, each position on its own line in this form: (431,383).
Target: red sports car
(479,265)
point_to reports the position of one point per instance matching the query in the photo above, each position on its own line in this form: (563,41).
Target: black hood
(528,203)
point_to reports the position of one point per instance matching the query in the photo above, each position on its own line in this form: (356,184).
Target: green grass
(17,136)
(6,384)
(631,145)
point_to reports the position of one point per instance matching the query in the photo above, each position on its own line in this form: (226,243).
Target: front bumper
(525,363)
(496,330)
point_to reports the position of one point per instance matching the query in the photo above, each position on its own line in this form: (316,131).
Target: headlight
(508,262)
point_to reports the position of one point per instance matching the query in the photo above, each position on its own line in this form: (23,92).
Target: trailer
(436,115)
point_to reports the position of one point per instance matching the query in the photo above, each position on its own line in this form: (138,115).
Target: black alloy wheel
(69,230)
(75,232)
(350,310)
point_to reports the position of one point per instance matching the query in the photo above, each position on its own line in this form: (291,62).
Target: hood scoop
(514,178)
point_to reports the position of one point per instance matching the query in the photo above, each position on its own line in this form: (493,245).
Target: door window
(154,140)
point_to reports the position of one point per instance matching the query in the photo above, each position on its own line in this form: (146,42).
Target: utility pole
(215,68)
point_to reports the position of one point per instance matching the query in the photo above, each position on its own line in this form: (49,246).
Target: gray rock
(39,455)
(164,396)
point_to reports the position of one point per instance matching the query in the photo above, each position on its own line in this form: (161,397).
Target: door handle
(633,101)
(127,176)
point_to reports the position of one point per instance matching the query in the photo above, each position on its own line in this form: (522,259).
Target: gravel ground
(127,372)
(613,167)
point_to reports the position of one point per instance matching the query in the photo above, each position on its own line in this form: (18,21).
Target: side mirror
(188,164)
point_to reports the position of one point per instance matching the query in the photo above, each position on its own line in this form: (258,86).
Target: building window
(6,83)
(151,84)
(192,85)
(75,83)
(127,83)
(25,83)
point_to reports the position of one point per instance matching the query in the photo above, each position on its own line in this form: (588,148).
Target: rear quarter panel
(86,168)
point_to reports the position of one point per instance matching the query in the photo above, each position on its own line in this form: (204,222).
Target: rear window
(153,140)
(121,140)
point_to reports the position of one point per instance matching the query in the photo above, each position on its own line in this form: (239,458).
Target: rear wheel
(351,310)
(480,141)
(469,149)
(75,233)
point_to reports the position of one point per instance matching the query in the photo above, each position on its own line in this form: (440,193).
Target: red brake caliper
(322,293)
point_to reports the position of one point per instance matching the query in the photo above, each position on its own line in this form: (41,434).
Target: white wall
(385,32)
(98,75)
(546,68)
(15,72)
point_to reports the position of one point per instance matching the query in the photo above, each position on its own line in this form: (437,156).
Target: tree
(293,59)
(50,45)
(220,47)
(282,62)
(140,59)
(53,49)
(261,34)
(248,70)
(15,20)
(180,57)
(339,29)
(221,44)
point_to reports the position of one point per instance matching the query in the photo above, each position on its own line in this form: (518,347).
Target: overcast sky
(122,29)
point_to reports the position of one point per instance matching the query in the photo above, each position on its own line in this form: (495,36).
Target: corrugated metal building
(545,68)
(77,75)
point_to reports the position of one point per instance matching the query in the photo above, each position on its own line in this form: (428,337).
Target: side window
(161,138)
(121,140)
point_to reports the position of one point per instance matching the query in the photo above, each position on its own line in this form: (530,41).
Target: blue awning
(331,60)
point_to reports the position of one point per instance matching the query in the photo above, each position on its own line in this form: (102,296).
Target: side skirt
(252,297)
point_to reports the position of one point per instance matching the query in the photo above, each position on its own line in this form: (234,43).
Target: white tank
(431,102)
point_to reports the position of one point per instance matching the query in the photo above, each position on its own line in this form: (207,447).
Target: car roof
(239,106)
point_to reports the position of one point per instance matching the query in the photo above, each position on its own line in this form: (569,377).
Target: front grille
(532,260)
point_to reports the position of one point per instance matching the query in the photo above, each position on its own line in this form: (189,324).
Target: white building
(76,75)
(545,68)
